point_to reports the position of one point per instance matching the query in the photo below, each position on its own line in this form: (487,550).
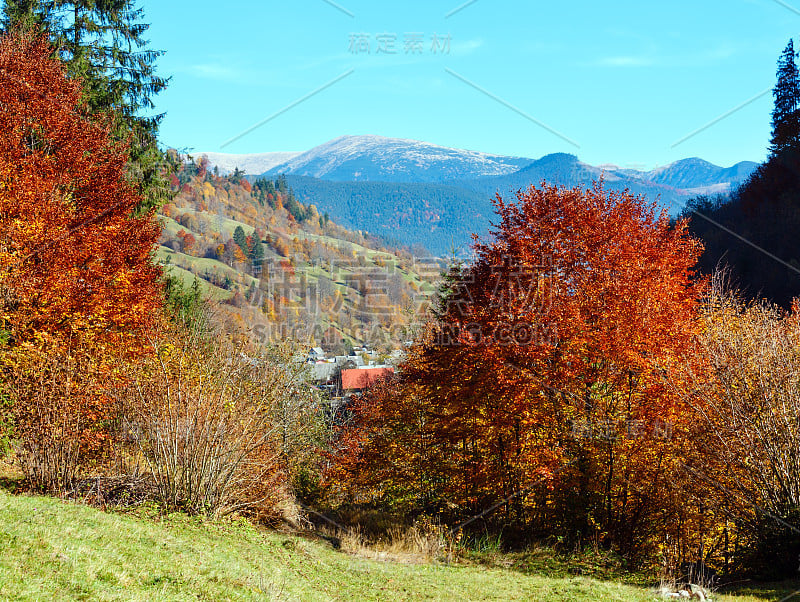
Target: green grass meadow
(60,550)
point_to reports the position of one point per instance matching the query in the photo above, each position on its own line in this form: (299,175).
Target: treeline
(271,192)
(111,372)
(382,208)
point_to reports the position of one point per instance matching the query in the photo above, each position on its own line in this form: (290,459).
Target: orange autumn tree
(539,389)
(77,285)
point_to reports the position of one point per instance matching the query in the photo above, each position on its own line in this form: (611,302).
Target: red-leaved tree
(539,389)
(77,285)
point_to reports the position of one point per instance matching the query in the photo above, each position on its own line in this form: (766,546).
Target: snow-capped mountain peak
(399,160)
(375,158)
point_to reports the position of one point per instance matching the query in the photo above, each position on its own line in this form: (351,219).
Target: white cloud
(651,58)
(624,61)
(466,47)
(216,71)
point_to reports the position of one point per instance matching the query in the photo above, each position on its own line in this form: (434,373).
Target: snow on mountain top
(395,159)
(255,164)
(382,159)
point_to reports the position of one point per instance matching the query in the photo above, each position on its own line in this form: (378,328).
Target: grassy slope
(200,265)
(65,551)
(224,225)
(186,266)
(227,226)
(206,288)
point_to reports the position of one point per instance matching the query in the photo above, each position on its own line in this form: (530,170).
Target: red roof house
(358,379)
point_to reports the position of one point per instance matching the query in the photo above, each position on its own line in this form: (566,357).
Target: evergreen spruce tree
(786,114)
(28,14)
(240,239)
(102,42)
(281,185)
(256,253)
(237,176)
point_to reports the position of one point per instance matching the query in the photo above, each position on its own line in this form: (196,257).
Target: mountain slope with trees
(414,193)
(285,270)
(441,216)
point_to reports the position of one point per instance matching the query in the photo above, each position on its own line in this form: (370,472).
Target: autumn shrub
(61,415)
(743,383)
(203,417)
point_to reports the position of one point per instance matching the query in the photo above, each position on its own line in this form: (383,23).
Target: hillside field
(58,550)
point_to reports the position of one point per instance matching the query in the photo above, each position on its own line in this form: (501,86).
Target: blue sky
(613,82)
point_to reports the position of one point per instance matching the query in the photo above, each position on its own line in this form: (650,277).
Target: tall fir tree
(256,256)
(786,113)
(102,43)
(28,14)
(240,238)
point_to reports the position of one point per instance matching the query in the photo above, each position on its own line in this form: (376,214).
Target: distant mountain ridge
(416,192)
(379,159)
(695,174)
(671,186)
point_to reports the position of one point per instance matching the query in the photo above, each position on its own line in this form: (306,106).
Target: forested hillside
(282,270)
(421,215)
(440,216)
